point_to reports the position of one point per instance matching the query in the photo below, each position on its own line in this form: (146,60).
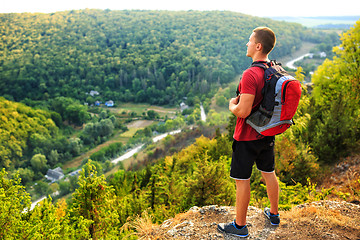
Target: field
(138,109)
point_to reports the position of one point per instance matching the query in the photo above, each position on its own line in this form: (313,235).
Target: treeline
(196,176)
(158,57)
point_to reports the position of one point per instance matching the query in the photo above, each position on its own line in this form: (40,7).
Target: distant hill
(158,57)
(329,22)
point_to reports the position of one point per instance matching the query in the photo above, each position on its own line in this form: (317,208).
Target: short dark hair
(266,37)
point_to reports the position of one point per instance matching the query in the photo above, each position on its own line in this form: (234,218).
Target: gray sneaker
(231,229)
(274,219)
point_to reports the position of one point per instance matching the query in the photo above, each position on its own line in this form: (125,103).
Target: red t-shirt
(252,82)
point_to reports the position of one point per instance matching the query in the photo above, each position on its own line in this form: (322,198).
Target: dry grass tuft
(142,225)
(322,215)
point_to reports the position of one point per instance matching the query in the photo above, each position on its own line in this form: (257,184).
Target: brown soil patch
(139,124)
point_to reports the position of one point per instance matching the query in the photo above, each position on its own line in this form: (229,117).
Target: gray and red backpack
(281,96)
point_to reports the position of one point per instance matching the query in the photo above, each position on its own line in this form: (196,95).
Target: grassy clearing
(139,109)
(128,134)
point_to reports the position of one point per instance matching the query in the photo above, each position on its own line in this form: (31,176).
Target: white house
(183,106)
(109,103)
(55,174)
(93,93)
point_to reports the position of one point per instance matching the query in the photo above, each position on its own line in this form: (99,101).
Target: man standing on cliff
(248,147)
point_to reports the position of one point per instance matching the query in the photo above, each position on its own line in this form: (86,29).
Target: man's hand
(241,106)
(234,101)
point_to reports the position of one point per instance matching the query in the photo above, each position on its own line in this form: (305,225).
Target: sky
(260,8)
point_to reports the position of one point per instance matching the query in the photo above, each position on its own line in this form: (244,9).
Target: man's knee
(269,176)
(240,182)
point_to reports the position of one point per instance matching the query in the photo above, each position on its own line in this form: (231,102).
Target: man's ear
(258,46)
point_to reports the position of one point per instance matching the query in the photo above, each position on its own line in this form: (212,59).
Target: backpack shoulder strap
(262,64)
(274,62)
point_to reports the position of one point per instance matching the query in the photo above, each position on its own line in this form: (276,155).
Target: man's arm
(241,106)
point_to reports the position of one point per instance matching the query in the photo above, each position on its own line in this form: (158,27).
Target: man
(248,146)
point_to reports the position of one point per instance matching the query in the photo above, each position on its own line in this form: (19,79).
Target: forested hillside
(158,57)
(21,126)
(32,140)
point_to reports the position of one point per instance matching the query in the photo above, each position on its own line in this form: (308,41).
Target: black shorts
(245,153)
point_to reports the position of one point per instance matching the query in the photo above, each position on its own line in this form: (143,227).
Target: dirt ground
(317,220)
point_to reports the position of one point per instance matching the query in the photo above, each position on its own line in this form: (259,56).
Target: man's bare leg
(242,200)
(272,188)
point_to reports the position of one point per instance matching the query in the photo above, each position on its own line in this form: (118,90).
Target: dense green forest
(158,57)
(26,132)
(18,124)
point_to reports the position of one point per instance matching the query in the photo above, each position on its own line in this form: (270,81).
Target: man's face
(251,46)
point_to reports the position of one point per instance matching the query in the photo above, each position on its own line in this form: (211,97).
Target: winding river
(291,65)
(131,152)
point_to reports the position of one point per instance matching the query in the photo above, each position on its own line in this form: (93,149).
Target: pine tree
(94,201)
(13,201)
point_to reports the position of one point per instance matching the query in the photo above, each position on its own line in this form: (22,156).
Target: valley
(134,155)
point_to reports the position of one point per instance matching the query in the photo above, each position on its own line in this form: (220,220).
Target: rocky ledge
(317,220)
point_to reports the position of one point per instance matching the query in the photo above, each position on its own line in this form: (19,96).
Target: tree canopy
(158,57)
(335,124)
(22,129)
